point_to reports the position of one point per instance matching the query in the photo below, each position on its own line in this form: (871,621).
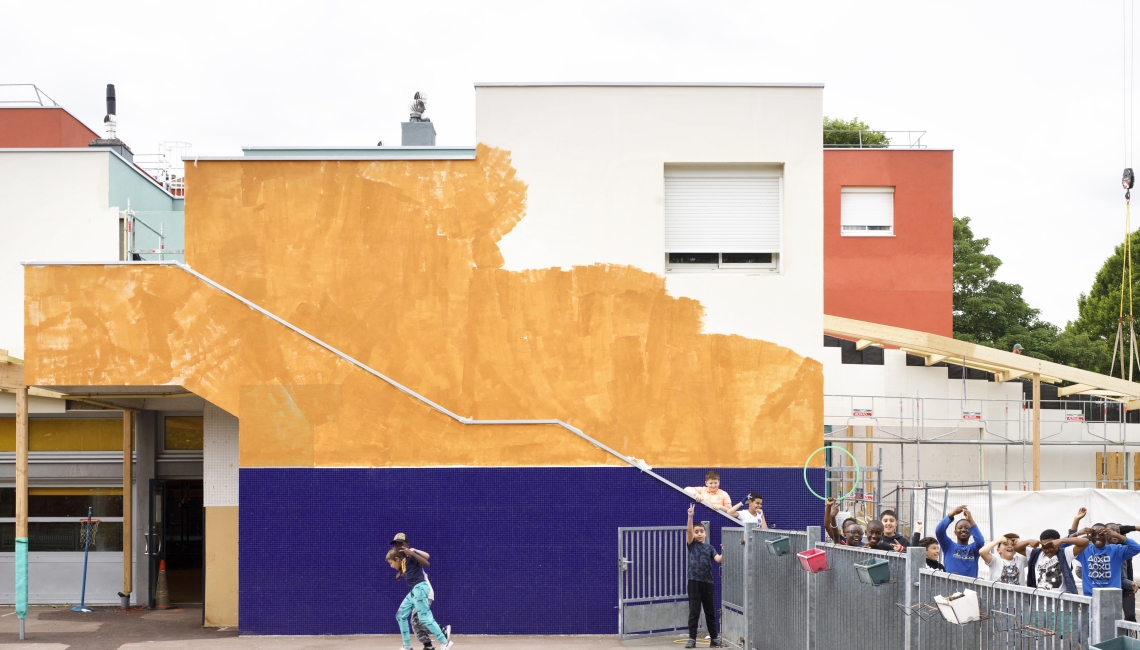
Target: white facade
(910,401)
(54,206)
(595,157)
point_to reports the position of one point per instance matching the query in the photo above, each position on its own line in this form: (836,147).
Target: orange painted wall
(905,280)
(36,128)
(397,264)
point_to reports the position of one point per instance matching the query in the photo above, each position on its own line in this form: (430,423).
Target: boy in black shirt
(701,556)
(412,569)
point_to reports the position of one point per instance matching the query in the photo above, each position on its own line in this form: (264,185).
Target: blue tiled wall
(513,550)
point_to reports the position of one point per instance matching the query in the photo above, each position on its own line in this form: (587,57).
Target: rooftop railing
(25,94)
(870,139)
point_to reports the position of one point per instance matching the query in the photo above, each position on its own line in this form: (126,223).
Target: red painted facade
(905,280)
(41,128)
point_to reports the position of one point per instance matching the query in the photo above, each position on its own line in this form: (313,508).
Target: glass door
(156,529)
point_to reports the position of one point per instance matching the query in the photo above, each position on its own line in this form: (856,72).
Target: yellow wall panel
(221,566)
(397,264)
(46,434)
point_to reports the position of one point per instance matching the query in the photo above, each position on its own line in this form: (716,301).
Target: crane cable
(1128,181)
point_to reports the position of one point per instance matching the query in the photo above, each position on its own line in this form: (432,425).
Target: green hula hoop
(858,472)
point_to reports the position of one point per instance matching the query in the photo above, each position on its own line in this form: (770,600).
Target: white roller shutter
(867,211)
(722,213)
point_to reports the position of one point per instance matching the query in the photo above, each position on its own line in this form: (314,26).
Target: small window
(867,211)
(183,433)
(717,261)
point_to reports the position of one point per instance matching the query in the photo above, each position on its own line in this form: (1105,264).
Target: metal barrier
(779,610)
(770,602)
(1014,616)
(737,577)
(841,600)
(1128,629)
(653,595)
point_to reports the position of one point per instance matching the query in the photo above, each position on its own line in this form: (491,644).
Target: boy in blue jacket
(1104,558)
(960,556)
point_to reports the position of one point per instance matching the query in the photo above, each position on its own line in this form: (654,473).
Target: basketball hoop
(89,527)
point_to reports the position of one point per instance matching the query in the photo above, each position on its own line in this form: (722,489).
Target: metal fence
(1128,629)
(1014,617)
(652,587)
(770,602)
(840,599)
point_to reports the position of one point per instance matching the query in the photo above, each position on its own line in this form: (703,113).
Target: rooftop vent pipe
(110,120)
(418,130)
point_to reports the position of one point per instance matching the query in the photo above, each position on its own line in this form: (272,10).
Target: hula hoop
(858,472)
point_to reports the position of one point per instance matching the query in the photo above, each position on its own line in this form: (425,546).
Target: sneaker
(691,643)
(448,645)
(428,646)
(447,632)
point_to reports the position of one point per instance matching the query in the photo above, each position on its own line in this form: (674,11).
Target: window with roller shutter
(867,211)
(723,218)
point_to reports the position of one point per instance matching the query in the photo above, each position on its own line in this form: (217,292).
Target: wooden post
(1036,431)
(869,452)
(850,450)
(128,530)
(22,462)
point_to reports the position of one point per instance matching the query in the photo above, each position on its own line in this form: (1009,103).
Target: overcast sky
(1029,95)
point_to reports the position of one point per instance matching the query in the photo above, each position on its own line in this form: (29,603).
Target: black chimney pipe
(111,99)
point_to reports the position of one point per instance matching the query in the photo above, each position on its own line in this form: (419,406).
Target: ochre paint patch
(397,264)
(298,404)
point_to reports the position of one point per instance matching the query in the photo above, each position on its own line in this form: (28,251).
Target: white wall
(53,207)
(593,158)
(219,458)
(56,578)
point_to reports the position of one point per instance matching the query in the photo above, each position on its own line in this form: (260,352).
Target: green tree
(848,134)
(1099,309)
(994,313)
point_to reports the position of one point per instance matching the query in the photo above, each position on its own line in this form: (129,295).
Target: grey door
(652,587)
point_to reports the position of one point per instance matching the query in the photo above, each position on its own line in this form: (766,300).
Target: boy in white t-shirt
(754,514)
(1007,564)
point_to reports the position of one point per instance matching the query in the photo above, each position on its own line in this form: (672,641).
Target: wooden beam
(22,463)
(1010,375)
(929,344)
(863,343)
(935,358)
(1134,405)
(12,375)
(1036,432)
(1074,389)
(128,557)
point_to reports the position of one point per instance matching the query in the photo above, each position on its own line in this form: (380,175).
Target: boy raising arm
(961,555)
(700,581)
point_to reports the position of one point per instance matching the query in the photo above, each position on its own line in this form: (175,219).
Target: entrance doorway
(176,534)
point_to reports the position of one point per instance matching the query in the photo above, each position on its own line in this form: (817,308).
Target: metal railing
(1014,616)
(771,602)
(874,139)
(39,99)
(1128,629)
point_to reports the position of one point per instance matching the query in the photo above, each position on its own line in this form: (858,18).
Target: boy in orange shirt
(711,495)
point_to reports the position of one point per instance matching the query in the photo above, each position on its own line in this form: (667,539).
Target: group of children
(1096,556)
(701,554)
